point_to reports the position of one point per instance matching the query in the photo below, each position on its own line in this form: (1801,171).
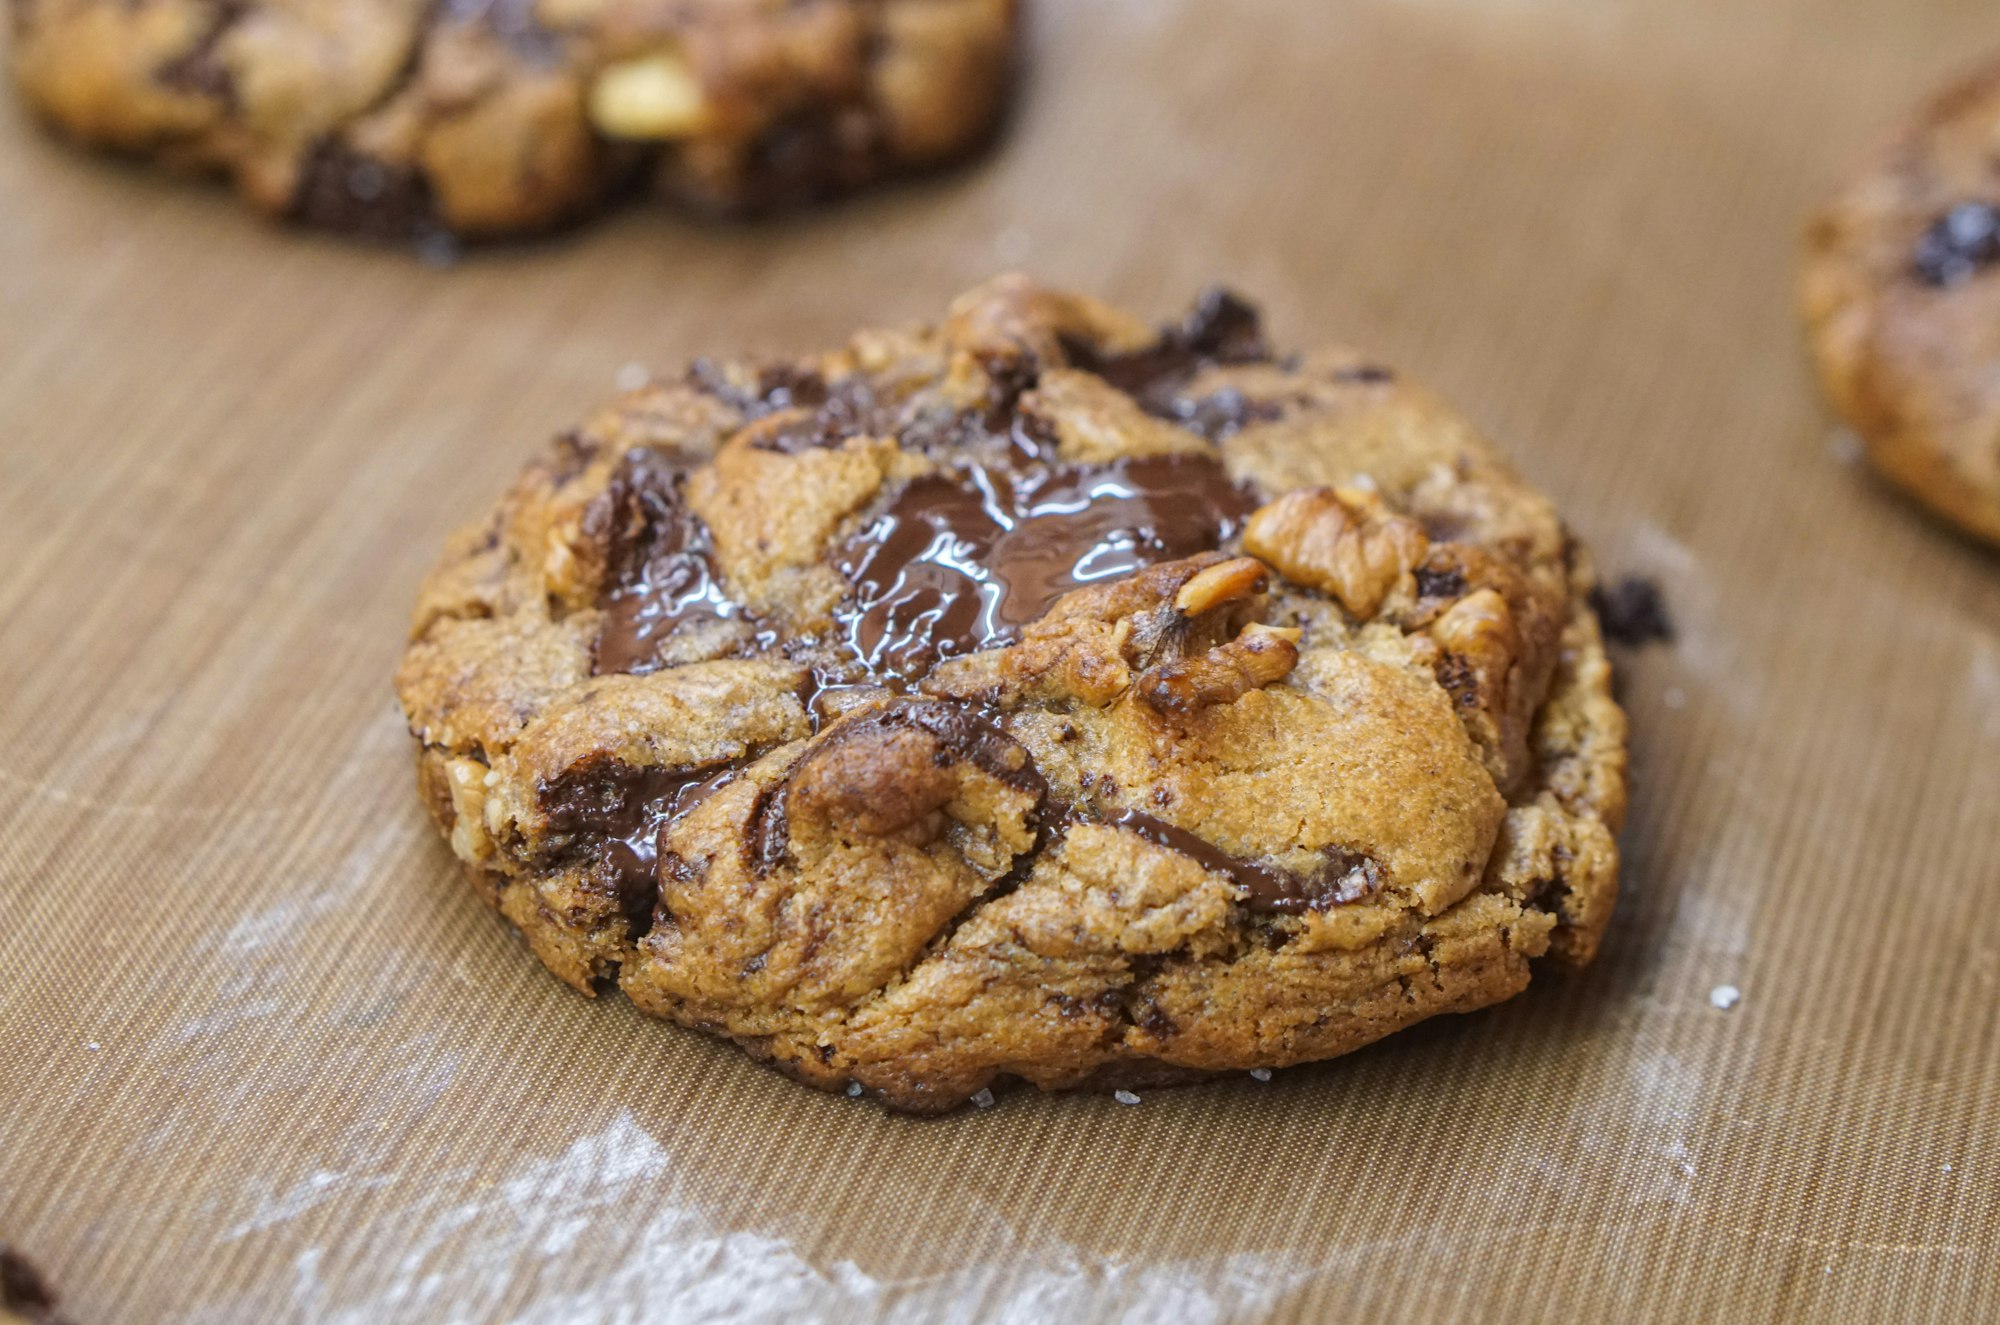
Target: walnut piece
(1342,540)
(1256,658)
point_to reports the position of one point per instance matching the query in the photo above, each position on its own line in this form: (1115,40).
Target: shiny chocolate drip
(658,563)
(962,560)
(1344,876)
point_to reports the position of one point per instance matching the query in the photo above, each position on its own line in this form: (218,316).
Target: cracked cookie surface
(407,120)
(1901,290)
(1039,696)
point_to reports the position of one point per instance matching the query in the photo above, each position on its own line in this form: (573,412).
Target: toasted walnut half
(1254,659)
(1342,540)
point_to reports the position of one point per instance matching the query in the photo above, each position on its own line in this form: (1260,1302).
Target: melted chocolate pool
(960,561)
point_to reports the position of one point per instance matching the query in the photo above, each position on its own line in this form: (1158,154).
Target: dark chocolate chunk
(808,157)
(200,69)
(349,191)
(1960,244)
(1344,876)
(1224,414)
(615,814)
(659,570)
(778,387)
(514,22)
(1222,329)
(1632,611)
(1439,583)
(960,561)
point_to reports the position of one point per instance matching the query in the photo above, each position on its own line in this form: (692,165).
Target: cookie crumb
(854,1090)
(1260,1074)
(632,376)
(1124,1097)
(1632,611)
(1724,997)
(983,1098)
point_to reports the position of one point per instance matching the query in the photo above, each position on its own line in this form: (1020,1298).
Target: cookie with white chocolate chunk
(1039,696)
(404,119)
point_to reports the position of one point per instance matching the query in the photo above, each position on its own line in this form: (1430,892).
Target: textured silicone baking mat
(263,1056)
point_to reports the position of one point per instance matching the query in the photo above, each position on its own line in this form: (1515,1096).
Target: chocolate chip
(961,561)
(1632,611)
(1221,416)
(1439,583)
(614,815)
(349,191)
(659,570)
(1222,329)
(1959,244)
(1343,876)
(199,69)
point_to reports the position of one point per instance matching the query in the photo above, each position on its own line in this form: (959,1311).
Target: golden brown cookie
(1902,301)
(1039,696)
(406,119)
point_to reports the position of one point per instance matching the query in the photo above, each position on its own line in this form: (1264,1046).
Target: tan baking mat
(263,1057)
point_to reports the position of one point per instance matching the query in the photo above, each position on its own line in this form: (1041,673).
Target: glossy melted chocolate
(960,561)
(621,811)
(658,559)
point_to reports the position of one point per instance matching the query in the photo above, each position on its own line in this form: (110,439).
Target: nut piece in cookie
(1038,697)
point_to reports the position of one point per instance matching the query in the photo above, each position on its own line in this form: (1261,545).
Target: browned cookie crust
(1038,696)
(1902,300)
(401,119)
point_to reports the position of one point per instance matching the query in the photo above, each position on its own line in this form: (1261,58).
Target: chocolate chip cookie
(405,119)
(1040,696)
(1902,301)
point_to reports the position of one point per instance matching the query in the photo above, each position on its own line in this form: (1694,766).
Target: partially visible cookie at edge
(405,120)
(1901,290)
(1039,696)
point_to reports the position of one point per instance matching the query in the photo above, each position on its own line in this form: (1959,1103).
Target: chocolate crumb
(24,1292)
(1958,245)
(1632,611)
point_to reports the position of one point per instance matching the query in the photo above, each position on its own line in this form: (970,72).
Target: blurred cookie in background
(469,119)
(1901,290)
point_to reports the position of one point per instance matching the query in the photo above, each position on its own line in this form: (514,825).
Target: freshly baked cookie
(404,119)
(1039,696)
(1902,299)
